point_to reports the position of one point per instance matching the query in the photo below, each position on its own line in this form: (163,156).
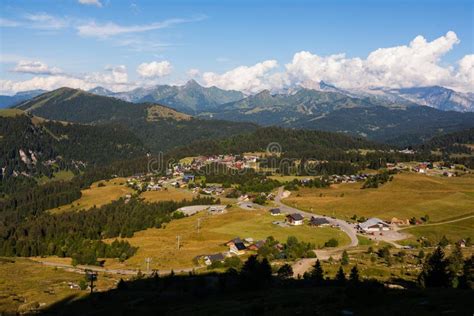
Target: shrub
(333,242)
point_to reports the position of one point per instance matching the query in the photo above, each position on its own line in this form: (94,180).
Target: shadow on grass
(231,294)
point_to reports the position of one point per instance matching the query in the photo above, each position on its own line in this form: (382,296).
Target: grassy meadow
(406,196)
(10,112)
(63,175)
(161,245)
(167,195)
(453,231)
(97,195)
(24,282)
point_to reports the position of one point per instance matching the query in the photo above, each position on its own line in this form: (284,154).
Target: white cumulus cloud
(193,73)
(154,69)
(249,79)
(465,74)
(416,64)
(114,78)
(35,67)
(114,75)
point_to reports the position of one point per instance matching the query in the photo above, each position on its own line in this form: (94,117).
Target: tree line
(79,234)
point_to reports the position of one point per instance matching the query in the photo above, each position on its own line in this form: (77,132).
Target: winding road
(303,265)
(346,227)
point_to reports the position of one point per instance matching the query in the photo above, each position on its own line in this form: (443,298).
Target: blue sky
(105,41)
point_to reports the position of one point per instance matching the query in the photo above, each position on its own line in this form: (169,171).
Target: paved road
(346,227)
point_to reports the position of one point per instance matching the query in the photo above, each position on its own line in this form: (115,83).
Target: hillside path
(82,268)
(440,223)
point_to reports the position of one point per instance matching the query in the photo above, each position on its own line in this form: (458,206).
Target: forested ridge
(34,149)
(452,142)
(80,234)
(289,142)
(159,134)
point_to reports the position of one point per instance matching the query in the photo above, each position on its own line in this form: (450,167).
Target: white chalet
(373,225)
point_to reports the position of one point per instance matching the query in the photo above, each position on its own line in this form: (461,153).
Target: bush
(233,262)
(333,242)
(82,285)
(261,199)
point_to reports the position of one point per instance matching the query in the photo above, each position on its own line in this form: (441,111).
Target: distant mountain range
(379,119)
(190,98)
(159,127)
(7,101)
(398,116)
(436,97)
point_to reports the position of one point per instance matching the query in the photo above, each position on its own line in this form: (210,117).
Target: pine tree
(435,270)
(354,276)
(317,274)
(466,281)
(340,276)
(345,258)
(456,261)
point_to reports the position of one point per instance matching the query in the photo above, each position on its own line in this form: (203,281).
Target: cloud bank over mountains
(417,64)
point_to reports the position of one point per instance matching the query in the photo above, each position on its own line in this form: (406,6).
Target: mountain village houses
(373,225)
(237,247)
(295,219)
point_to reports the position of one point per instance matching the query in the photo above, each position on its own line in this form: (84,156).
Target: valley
(141,192)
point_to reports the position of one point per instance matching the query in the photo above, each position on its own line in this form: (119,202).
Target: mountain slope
(159,127)
(404,126)
(7,101)
(36,147)
(271,109)
(460,142)
(190,98)
(293,143)
(381,119)
(437,97)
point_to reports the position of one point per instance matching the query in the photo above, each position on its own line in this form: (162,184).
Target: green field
(64,175)
(97,195)
(406,196)
(259,226)
(215,230)
(453,231)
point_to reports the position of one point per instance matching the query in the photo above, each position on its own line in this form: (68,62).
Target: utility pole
(91,277)
(178,238)
(198,225)
(148,260)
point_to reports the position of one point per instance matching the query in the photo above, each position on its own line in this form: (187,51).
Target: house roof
(319,221)
(275,211)
(296,217)
(372,222)
(216,257)
(236,240)
(240,246)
